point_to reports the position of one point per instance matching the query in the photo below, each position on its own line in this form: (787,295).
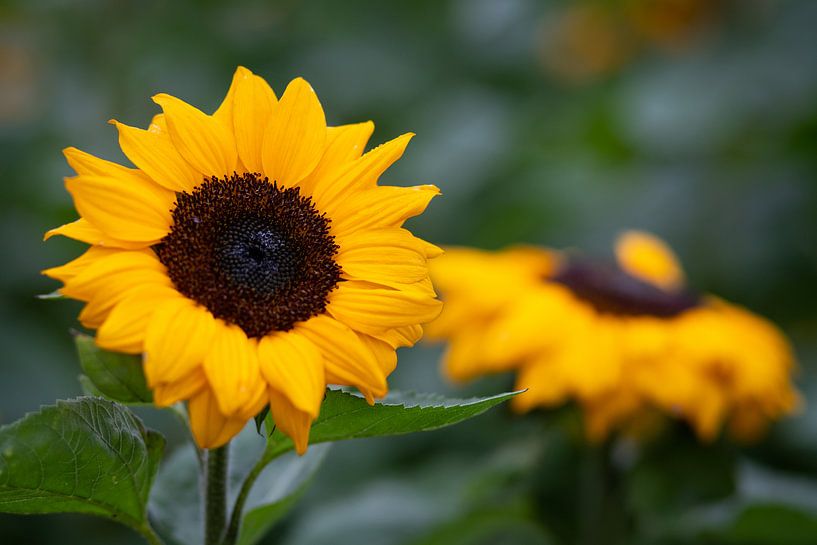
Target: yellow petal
(362,174)
(380,207)
(133,209)
(252,107)
(384,353)
(125,327)
(344,144)
(348,362)
(115,273)
(224,113)
(83,231)
(402,336)
(296,135)
(231,366)
(211,428)
(293,366)
(388,256)
(86,164)
(177,340)
(66,272)
(204,141)
(292,421)
(650,259)
(374,310)
(154,153)
(166,394)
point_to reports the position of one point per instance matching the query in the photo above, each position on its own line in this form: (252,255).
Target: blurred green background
(551,122)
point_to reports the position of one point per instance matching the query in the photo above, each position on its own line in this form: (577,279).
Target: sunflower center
(611,290)
(254,254)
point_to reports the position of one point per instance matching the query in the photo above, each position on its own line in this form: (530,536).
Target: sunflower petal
(389,256)
(252,107)
(70,270)
(292,421)
(115,273)
(166,394)
(387,206)
(293,366)
(362,174)
(344,144)
(85,164)
(211,428)
(154,153)
(402,336)
(133,209)
(204,141)
(347,360)
(296,135)
(231,366)
(649,258)
(125,327)
(384,353)
(374,310)
(177,340)
(83,231)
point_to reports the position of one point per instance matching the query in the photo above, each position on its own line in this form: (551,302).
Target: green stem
(235,518)
(215,496)
(150,535)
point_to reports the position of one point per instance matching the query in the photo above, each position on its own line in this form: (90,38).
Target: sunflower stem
(215,496)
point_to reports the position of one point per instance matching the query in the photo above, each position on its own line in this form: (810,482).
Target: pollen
(253,253)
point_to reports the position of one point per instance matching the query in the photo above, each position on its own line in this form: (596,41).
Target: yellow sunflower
(250,256)
(623,340)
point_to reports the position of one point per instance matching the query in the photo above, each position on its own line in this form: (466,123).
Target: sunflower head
(251,256)
(622,339)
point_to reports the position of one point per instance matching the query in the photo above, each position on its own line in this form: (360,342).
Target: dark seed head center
(611,290)
(253,253)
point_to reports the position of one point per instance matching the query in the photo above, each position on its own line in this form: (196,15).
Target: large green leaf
(86,455)
(346,415)
(176,503)
(116,376)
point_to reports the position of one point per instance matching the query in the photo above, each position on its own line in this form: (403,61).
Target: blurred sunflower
(621,339)
(251,256)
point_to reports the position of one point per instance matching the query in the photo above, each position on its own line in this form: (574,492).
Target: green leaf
(277,490)
(86,455)
(772,524)
(346,415)
(119,377)
(176,503)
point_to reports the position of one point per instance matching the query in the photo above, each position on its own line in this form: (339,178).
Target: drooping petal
(252,107)
(204,141)
(347,360)
(384,353)
(131,208)
(374,310)
(344,144)
(166,394)
(83,231)
(296,135)
(125,327)
(402,336)
(154,153)
(177,340)
(231,366)
(649,258)
(388,256)
(387,206)
(292,421)
(211,428)
(330,191)
(292,365)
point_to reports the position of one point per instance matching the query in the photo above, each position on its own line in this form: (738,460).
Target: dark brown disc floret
(611,290)
(254,254)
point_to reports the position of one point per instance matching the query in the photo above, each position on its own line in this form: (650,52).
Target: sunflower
(624,340)
(251,257)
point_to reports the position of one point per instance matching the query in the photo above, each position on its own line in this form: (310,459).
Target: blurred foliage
(550,122)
